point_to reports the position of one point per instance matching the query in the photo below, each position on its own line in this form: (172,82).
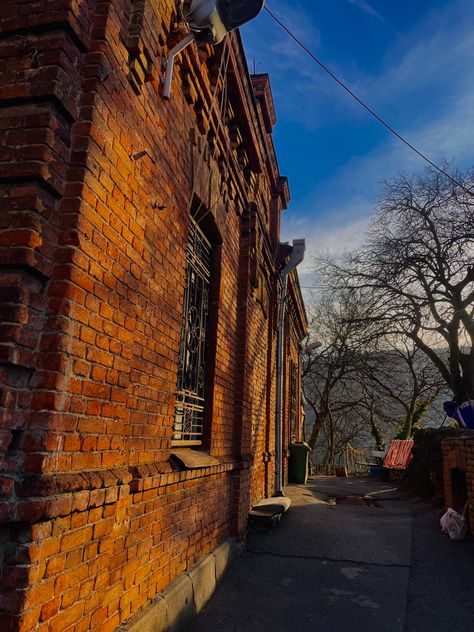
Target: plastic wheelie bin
(298,465)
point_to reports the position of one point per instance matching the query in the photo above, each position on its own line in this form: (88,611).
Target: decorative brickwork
(98,177)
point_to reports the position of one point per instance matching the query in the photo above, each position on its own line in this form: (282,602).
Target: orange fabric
(399,454)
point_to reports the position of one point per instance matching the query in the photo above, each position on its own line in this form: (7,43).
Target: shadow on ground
(346,568)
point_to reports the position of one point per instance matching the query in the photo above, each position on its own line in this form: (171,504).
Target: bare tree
(399,383)
(417,273)
(327,374)
(361,382)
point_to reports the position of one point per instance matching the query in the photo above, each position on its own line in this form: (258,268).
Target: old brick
(92,283)
(6,486)
(74,539)
(49,609)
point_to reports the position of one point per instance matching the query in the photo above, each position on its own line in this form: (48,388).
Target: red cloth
(399,454)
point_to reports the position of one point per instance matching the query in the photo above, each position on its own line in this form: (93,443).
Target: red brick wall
(96,177)
(458,454)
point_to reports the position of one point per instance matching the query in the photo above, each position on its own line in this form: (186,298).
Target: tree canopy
(416,271)
(397,315)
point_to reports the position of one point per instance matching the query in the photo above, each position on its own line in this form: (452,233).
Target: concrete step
(268,512)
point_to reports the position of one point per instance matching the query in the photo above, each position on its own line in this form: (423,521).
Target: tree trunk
(318,424)
(408,425)
(465,387)
(331,445)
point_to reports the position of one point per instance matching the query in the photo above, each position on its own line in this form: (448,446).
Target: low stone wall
(424,475)
(458,468)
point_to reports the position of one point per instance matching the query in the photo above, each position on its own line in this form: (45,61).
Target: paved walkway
(347,568)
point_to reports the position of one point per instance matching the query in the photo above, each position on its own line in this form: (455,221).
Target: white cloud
(340,226)
(339,231)
(431,60)
(300,90)
(365,7)
(425,90)
(434,62)
(336,235)
(295,17)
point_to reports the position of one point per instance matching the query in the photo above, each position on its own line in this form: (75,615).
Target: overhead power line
(362,103)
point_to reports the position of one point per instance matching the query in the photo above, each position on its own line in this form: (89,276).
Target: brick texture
(98,175)
(458,475)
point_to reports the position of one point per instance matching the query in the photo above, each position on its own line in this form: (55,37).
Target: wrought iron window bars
(190,396)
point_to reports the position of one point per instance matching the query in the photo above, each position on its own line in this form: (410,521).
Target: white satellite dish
(209,21)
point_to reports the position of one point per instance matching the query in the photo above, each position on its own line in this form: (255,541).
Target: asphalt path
(336,567)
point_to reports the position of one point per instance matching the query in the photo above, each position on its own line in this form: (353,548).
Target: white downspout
(174,52)
(299,247)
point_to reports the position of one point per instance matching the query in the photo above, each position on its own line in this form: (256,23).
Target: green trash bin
(298,466)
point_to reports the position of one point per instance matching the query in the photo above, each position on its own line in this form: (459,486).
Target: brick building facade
(118,208)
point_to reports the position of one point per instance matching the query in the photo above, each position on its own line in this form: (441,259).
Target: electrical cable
(362,103)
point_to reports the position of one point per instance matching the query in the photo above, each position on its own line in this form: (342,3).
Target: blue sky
(412,61)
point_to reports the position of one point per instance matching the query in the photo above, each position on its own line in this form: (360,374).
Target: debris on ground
(454,524)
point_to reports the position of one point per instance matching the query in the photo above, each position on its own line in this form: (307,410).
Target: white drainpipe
(174,52)
(299,247)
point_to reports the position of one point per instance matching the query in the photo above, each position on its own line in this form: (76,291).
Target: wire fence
(350,462)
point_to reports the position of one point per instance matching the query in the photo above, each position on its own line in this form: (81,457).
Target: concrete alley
(339,564)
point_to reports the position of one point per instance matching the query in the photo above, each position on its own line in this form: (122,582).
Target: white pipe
(184,43)
(299,247)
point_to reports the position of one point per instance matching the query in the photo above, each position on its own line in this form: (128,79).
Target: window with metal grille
(190,400)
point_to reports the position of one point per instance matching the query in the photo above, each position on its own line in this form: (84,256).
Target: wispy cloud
(336,235)
(437,63)
(423,86)
(298,89)
(365,7)
(337,223)
(295,16)
(434,56)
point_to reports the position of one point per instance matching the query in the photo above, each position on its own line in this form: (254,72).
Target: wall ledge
(46,496)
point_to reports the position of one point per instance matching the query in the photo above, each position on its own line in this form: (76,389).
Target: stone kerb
(187,595)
